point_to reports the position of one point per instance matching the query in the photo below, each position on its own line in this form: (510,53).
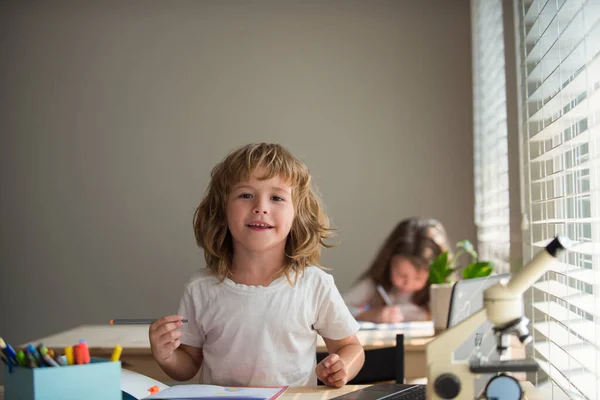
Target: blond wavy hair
(310,228)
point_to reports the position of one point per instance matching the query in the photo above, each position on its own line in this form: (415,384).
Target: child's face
(260,213)
(406,277)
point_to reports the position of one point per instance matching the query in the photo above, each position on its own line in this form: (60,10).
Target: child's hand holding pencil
(164,336)
(136,321)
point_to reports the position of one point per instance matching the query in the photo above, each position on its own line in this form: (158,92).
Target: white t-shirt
(262,335)
(363,293)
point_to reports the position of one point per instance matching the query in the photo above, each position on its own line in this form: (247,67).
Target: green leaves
(478,270)
(467,247)
(442,268)
(439,270)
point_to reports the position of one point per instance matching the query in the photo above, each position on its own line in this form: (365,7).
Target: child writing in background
(254,313)
(395,288)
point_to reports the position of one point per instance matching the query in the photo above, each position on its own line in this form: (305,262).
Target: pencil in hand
(136,321)
(384,296)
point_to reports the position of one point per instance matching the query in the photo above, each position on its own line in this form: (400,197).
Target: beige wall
(112,115)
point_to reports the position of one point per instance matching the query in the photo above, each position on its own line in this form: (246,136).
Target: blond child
(395,288)
(254,313)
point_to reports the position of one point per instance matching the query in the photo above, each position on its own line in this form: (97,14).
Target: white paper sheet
(215,392)
(137,385)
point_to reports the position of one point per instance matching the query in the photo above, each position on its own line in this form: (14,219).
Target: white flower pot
(439,303)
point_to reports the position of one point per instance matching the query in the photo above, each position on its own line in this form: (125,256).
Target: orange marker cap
(79,357)
(154,389)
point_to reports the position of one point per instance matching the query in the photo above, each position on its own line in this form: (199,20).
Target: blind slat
(571,368)
(554,107)
(556,311)
(558,71)
(563,382)
(578,333)
(565,292)
(564,28)
(563,337)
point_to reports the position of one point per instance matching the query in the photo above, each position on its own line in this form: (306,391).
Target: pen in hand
(136,321)
(384,296)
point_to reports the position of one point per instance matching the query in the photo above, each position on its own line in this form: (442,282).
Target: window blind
(559,74)
(490,134)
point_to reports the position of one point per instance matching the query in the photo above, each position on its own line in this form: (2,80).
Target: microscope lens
(503,387)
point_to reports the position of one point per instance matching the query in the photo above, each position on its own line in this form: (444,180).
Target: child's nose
(260,208)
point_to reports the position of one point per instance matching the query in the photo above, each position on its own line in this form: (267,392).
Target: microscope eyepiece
(558,244)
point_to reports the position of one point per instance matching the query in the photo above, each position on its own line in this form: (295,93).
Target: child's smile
(259,226)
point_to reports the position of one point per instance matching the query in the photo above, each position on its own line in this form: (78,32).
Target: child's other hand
(390,315)
(164,336)
(382,315)
(332,371)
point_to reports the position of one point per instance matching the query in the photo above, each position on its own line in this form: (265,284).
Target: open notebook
(417,326)
(137,386)
(203,392)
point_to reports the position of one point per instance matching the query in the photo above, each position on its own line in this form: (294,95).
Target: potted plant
(442,273)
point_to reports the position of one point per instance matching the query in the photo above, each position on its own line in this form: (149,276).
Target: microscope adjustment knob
(447,386)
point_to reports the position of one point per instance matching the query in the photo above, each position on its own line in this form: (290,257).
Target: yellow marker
(116,353)
(69,355)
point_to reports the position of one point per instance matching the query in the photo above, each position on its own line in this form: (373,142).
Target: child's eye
(245,196)
(277,198)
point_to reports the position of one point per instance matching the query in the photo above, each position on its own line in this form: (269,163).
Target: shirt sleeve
(334,320)
(359,297)
(193,334)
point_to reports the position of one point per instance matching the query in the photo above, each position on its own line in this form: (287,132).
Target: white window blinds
(559,71)
(490,134)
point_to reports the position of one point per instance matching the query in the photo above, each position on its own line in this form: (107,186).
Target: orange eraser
(112,322)
(154,389)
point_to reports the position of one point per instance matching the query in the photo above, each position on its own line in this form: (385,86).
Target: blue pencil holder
(98,380)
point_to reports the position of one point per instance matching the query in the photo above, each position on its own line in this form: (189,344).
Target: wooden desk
(325,393)
(137,357)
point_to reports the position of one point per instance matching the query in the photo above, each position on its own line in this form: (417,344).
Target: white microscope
(503,307)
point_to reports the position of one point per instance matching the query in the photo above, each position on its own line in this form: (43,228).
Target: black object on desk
(387,391)
(385,364)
